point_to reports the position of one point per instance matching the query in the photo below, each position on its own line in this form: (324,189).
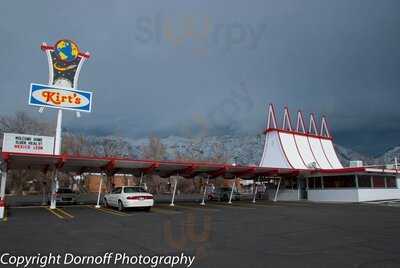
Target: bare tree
(77,145)
(219,153)
(192,152)
(112,146)
(22,123)
(154,150)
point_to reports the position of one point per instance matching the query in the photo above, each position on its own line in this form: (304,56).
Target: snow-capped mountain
(345,155)
(234,149)
(389,156)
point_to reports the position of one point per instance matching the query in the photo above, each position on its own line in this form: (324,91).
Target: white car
(129,197)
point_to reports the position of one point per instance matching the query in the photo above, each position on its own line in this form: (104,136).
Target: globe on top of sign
(66,50)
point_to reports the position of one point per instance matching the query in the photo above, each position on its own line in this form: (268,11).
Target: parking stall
(110,166)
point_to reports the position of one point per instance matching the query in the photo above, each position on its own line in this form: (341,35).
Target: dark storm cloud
(210,67)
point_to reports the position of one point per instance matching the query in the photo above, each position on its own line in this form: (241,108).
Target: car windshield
(130,190)
(65,191)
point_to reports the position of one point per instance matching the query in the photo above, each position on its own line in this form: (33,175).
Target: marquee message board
(31,144)
(60,98)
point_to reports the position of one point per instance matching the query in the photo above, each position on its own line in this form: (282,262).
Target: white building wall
(352,195)
(377,194)
(333,195)
(284,195)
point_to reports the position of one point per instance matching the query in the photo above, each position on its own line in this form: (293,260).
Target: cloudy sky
(210,67)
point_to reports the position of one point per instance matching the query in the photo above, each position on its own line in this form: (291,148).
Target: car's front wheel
(120,205)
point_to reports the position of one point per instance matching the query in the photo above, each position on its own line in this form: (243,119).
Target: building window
(314,183)
(364,181)
(310,183)
(391,182)
(318,183)
(378,181)
(290,183)
(347,181)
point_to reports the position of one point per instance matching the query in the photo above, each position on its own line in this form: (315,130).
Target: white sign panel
(21,143)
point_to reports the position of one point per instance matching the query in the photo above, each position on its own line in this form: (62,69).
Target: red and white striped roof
(286,147)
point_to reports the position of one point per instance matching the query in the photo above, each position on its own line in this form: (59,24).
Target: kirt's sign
(21,143)
(60,98)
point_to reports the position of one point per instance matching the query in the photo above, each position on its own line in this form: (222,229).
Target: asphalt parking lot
(266,234)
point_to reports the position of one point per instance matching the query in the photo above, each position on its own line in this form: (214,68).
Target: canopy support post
(99,194)
(141,179)
(203,203)
(277,190)
(298,188)
(3,181)
(233,188)
(54,186)
(255,193)
(3,191)
(173,194)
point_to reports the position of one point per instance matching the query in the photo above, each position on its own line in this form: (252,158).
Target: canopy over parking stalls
(112,165)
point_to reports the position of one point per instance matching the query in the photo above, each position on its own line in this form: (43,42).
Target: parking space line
(119,213)
(55,213)
(65,213)
(28,207)
(109,211)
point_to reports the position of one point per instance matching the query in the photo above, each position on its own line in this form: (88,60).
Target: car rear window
(65,191)
(130,190)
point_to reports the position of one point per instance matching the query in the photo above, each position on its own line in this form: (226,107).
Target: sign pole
(57,151)
(65,62)
(53,202)
(57,147)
